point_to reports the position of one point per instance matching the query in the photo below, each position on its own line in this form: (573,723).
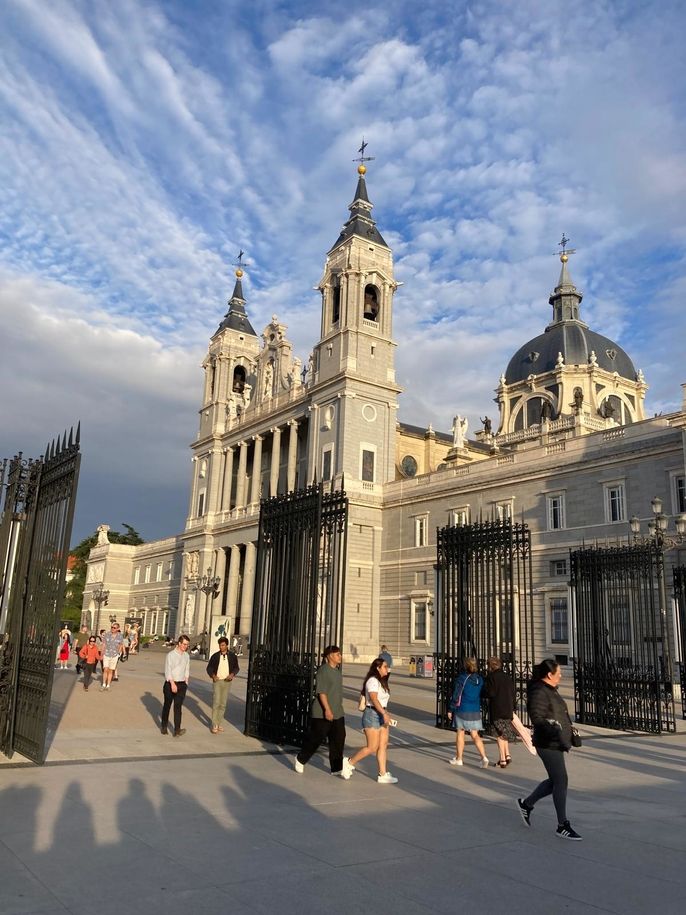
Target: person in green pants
(221,669)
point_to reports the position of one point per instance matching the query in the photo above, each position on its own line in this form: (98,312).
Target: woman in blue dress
(465,712)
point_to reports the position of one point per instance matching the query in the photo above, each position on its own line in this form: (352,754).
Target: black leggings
(555,784)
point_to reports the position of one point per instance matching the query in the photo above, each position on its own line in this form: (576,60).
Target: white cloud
(146,143)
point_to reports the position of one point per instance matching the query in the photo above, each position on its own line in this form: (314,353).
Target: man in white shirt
(177,668)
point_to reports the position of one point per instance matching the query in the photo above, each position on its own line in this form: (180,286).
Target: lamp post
(100,598)
(659,536)
(209,585)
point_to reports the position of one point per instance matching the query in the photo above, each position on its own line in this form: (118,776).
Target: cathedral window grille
(556,512)
(367,468)
(327,463)
(148,570)
(421,529)
(459,517)
(137,575)
(419,622)
(558,567)
(158,572)
(201,504)
(615,509)
(559,621)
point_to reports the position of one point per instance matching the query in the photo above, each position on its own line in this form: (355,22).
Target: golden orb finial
(361,169)
(564,258)
(239,273)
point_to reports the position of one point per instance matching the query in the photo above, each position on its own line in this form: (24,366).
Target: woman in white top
(375,721)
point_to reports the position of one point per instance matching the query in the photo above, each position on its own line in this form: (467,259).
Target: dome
(576,342)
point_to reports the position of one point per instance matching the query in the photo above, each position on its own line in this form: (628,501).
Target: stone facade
(574,468)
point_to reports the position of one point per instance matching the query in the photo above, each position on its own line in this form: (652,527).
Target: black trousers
(88,670)
(555,784)
(319,730)
(177,698)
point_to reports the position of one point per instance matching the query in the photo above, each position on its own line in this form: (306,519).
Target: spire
(565,298)
(236,317)
(361,222)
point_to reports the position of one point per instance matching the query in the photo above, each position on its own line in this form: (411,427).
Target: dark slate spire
(236,317)
(565,298)
(360,222)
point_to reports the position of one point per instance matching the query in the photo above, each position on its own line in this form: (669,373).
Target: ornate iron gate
(680,598)
(622,662)
(484,604)
(297,610)
(34,538)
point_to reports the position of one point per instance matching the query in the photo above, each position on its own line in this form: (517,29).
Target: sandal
(219,727)
(502,763)
(508,760)
(214,730)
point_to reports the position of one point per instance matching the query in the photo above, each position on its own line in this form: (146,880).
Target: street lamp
(209,585)
(100,598)
(657,535)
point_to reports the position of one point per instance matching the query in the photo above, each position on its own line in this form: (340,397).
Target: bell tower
(352,370)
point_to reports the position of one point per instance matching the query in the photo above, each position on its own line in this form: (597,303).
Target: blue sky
(144,143)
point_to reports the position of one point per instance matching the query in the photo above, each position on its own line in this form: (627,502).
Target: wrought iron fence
(35,529)
(621,639)
(679,577)
(484,605)
(297,609)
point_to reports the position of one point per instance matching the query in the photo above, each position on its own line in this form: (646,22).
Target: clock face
(408,465)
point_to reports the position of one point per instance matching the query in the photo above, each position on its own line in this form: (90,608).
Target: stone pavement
(123,820)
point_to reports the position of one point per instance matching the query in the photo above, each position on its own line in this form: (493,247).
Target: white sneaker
(485,763)
(387,779)
(455,761)
(347,769)
(298,766)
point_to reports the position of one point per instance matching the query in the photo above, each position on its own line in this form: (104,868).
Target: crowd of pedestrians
(553,732)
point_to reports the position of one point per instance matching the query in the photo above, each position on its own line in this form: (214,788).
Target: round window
(408,465)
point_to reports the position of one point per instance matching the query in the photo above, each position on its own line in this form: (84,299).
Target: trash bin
(413,667)
(425,666)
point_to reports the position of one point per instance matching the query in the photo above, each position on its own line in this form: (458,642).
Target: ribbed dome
(576,342)
(567,334)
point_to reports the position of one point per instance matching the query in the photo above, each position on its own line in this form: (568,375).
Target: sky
(142,144)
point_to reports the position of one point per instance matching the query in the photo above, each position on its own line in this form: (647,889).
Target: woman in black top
(552,738)
(501,695)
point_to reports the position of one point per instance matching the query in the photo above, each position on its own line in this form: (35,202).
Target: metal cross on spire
(565,252)
(239,263)
(362,158)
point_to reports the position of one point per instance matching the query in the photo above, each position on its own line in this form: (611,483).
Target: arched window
(238,385)
(533,412)
(613,407)
(371,303)
(336,300)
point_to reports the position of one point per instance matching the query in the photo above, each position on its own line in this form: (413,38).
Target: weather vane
(362,158)
(239,264)
(565,252)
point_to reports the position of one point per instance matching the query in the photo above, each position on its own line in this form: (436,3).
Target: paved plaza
(124,820)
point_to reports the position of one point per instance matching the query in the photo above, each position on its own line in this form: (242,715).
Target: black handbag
(576,738)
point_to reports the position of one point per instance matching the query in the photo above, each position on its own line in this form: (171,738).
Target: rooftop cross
(239,264)
(565,252)
(362,168)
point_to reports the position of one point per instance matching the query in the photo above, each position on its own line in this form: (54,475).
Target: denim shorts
(372,719)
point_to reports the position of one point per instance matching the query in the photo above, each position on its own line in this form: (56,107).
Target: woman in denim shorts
(375,721)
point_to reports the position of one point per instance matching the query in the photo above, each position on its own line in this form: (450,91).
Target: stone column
(248,588)
(276,461)
(240,481)
(232,587)
(220,572)
(256,469)
(292,454)
(228,479)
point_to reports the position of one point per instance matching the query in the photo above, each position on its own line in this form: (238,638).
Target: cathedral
(572,454)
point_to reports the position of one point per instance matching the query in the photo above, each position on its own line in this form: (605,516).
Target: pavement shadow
(153,705)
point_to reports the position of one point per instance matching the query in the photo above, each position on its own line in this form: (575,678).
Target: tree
(73,596)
